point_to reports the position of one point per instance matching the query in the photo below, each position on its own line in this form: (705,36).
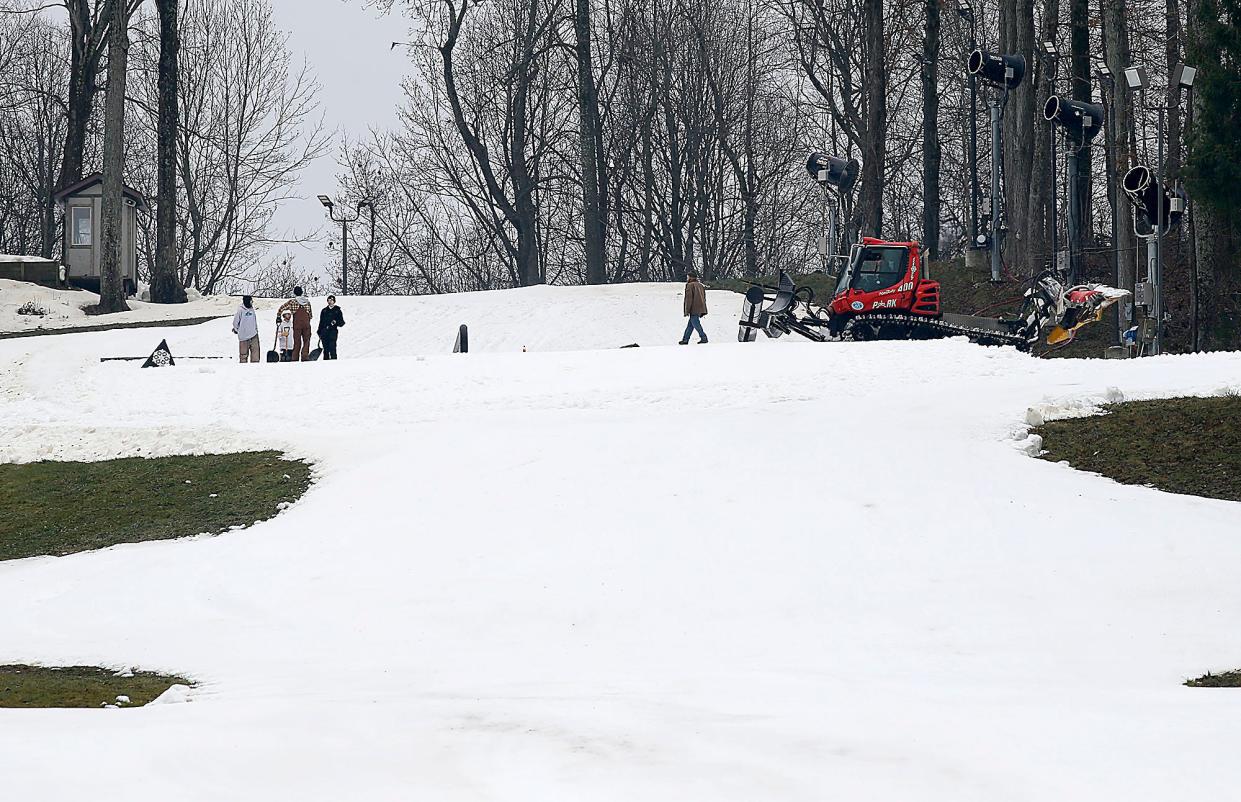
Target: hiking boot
(683,342)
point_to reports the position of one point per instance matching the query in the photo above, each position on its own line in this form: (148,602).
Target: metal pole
(1114,200)
(826,244)
(1055,234)
(344,257)
(1193,242)
(1157,278)
(1051,149)
(1074,213)
(831,235)
(973,152)
(996,155)
(1152,272)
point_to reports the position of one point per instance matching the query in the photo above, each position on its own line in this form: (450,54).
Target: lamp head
(1183,76)
(326,201)
(1136,77)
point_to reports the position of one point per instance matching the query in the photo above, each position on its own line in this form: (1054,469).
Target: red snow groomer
(883,293)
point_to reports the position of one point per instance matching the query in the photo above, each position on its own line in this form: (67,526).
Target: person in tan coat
(695,307)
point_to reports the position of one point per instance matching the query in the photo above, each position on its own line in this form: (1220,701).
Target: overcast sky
(348,46)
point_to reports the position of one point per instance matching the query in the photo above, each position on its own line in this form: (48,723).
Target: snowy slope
(735,572)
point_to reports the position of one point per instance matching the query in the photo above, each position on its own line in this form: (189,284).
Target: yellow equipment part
(1060,334)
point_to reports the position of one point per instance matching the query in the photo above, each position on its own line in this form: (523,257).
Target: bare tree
(165,286)
(592,169)
(248,126)
(111,284)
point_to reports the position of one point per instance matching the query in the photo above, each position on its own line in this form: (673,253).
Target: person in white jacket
(246,327)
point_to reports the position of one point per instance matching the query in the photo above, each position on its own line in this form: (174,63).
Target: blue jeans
(694,324)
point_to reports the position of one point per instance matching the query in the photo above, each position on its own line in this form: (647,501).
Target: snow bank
(175,695)
(734,572)
(64,308)
(19,258)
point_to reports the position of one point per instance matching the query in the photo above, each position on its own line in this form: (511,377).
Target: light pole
(344,221)
(1053,58)
(1161,207)
(966,12)
(1003,71)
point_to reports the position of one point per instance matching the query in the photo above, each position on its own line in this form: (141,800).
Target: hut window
(81,225)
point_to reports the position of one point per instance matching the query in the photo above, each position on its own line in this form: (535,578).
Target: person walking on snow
(330,320)
(695,308)
(246,327)
(299,306)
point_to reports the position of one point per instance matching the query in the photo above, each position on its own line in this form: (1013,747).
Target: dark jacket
(330,319)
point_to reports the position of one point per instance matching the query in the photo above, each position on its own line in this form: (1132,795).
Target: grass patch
(58,508)
(1182,445)
(1229,679)
(79,686)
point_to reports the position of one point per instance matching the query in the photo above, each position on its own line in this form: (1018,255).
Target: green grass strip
(79,686)
(1181,445)
(58,508)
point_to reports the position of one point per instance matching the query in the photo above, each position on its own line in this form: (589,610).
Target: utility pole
(997,230)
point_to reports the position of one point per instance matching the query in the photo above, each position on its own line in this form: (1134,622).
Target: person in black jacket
(330,321)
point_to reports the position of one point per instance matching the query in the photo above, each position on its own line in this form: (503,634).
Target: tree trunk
(1017,37)
(165,287)
(111,283)
(874,146)
(1039,212)
(86,48)
(930,130)
(1176,277)
(590,139)
(1079,45)
(1172,52)
(1119,134)
(1213,231)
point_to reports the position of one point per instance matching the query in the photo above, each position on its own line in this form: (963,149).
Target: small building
(83,214)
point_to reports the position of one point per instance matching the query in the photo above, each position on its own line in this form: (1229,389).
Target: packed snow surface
(769,571)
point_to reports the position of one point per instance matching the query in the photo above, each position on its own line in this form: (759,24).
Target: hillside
(776,570)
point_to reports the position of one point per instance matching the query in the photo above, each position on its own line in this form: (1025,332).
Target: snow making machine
(883,293)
